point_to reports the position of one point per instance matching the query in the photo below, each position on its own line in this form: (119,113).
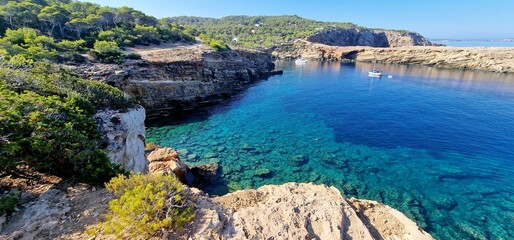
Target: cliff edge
(172,77)
(299,211)
(369,37)
(485,59)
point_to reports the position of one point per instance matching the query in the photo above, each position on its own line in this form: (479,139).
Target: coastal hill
(268,31)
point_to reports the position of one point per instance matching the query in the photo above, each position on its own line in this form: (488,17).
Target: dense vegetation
(145,204)
(61,30)
(255,31)
(45,111)
(46,122)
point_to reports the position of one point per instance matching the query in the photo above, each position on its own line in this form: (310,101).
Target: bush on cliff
(46,123)
(145,204)
(107,51)
(217,45)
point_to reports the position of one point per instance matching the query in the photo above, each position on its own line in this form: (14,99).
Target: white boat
(300,61)
(375,73)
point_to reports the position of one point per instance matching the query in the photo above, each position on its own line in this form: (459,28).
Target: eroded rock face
(369,37)
(485,59)
(166,160)
(297,211)
(385,222)
(124,136)
(182,79)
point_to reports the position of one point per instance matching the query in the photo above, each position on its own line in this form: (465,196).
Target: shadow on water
(201,113)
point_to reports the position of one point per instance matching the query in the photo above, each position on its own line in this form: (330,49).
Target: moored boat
(300,61)
(375,73)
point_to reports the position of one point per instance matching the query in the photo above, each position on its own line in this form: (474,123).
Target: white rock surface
(124,133)
(298,211)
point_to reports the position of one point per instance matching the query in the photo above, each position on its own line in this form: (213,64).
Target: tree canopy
(34,30)
(256,31)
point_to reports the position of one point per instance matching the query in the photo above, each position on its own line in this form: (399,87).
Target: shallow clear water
(435,144)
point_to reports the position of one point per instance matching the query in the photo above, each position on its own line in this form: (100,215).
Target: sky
(463,19)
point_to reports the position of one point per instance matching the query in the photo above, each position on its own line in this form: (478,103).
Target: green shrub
(7,203)
(133,56)
(74,46)
(217,45)
(145,204)
(107,51)
(46,123)
(28,44)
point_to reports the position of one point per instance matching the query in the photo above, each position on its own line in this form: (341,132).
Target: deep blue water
(435,144)
(471,43)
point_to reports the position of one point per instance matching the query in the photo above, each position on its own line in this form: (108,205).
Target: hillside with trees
(255,31)
(62,30)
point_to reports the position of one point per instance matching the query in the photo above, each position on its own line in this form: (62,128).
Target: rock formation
(124,136)
(166,160)
(485,59)
(298,211)
(369,37)
(169,79)
(287,211)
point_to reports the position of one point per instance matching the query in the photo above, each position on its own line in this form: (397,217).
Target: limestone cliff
(124,136)
(298,211)
(485,59)
(175,78)
(369,37)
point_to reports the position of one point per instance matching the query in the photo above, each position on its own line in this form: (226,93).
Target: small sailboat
(375,73)
(300,61)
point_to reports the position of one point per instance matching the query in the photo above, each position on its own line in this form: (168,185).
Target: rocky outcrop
(288,211)
(166,160)
(123,133)
(485,59)
(61,212)
(298,211)
(369,37)
(177,79)
(380,219)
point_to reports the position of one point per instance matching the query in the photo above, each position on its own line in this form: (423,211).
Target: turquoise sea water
(436,144)
(471,43)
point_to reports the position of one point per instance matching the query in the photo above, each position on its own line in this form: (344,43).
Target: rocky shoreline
(484,59)
(170,79)
(288,211)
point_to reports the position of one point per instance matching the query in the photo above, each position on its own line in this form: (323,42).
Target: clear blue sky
(433,18)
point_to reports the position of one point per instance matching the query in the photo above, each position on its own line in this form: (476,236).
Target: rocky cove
(303,210)
(166,81)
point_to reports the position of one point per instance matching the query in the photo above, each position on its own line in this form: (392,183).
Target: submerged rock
(262,172)
(298,160)
(247,147)
(210,155)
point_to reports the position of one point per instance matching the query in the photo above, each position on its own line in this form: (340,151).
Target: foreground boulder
(298,211)
(166,160)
